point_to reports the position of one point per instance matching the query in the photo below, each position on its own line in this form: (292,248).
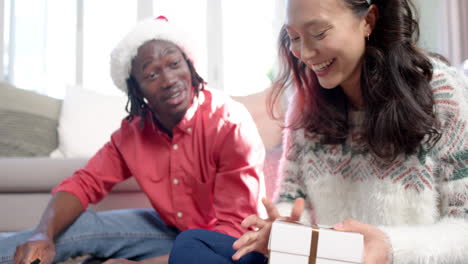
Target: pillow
(269,129)
(87,121)
(28,122)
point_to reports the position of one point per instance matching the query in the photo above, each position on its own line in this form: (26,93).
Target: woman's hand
(258,240)
(377,248)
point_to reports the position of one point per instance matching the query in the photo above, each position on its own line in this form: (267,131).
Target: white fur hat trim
(144,31)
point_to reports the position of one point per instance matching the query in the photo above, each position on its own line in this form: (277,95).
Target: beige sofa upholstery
(27,175)
(26,186)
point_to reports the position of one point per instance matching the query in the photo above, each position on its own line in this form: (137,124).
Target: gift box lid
(294,238)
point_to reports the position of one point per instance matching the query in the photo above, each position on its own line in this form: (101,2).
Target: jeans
(208,247)
(134,234)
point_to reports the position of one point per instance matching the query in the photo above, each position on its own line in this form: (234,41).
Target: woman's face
(328,38)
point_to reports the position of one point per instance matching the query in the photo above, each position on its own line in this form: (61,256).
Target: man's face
(164,78)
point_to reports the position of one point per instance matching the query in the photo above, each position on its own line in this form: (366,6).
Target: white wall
(432,25)
(443,28)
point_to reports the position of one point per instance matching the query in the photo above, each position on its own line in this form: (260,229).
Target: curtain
(457,29)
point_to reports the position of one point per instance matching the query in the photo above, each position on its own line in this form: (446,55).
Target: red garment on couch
(208,175)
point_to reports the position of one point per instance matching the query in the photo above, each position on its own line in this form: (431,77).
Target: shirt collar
(186,124)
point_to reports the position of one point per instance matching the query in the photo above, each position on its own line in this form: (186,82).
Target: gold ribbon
(314,244)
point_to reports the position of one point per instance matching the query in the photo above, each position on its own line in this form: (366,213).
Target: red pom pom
(162,18)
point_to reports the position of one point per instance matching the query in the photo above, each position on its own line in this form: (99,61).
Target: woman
(376,138)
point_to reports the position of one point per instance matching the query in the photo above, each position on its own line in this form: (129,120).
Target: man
(196,154)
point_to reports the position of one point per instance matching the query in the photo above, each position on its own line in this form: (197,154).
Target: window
(48,45)
(249,45)
(192,17)
(41,47)
(105,22)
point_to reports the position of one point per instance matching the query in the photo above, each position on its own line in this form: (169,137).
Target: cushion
(270,132)
(28,122)
(87,121)
(41,174)
(269,129)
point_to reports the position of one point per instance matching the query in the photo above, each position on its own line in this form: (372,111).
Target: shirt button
(189,129)
(175,181)
(179,214)
(175,147)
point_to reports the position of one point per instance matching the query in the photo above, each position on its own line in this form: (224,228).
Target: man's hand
(39,246)
(258,240)
(61,211)
(377,247)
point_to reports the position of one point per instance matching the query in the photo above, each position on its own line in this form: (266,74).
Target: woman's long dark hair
(395,82)
(136,105)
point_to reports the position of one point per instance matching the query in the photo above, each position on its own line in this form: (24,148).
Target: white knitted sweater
(420,202)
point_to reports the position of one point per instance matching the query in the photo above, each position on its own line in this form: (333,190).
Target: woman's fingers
(377,247)
(271,209)
(253,221)
(258,240)
(245,239)
(297,209)
(251,241)
(243,251)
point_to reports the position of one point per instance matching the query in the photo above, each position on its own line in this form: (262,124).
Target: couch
(28,134)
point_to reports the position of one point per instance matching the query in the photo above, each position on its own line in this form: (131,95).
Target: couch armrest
(41,174)
(37,174)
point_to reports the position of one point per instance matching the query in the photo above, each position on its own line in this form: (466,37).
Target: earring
(368,37)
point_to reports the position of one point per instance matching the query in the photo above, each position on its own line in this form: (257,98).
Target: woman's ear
(371,19)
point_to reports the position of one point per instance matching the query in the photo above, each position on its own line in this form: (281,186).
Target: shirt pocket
(201,192)
(151,174)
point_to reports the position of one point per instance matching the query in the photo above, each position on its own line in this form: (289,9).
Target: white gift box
(294,243)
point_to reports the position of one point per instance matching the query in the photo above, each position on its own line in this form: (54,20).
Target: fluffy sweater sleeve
(290,174)
(445,241)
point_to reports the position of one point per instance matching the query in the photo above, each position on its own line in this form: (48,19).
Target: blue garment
(208,247)
(134,234)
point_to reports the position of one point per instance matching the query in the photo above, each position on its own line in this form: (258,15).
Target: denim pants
(134,234)
(208,247)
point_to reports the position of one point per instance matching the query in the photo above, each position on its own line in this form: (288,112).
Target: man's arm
(239,184)
(70,198)
(61,211)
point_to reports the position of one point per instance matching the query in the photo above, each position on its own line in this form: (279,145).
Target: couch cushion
(269,129)
(41,174)
(25,209)
(28,122)
(87,121)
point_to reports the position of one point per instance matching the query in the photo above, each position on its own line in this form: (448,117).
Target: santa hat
(149,29)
